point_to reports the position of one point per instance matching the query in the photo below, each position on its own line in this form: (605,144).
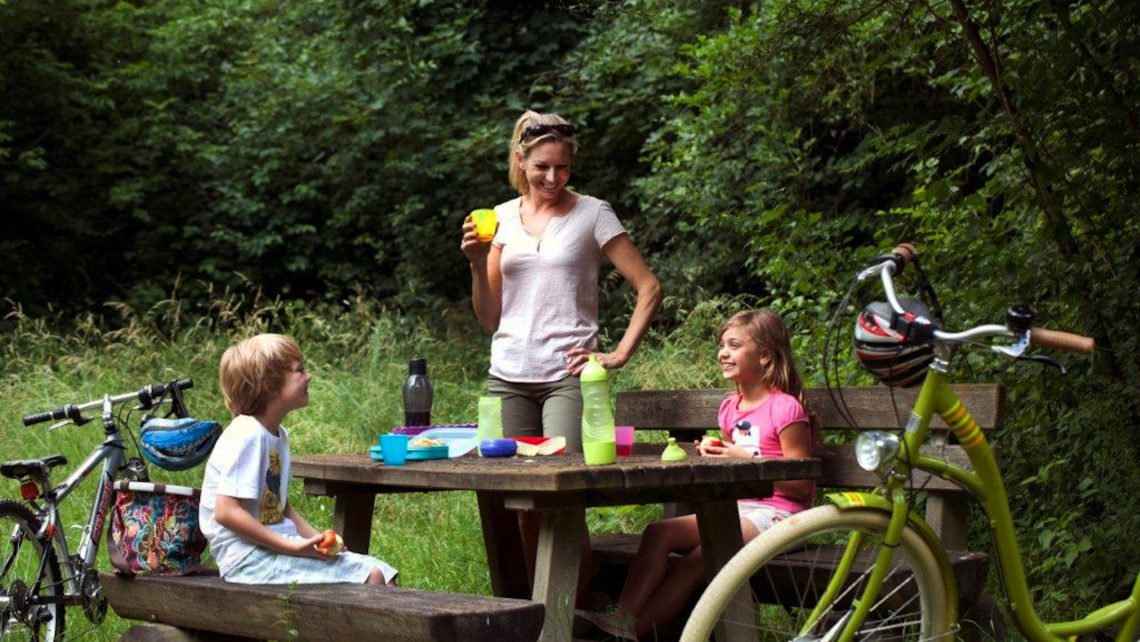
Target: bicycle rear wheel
(788,567)
(31,595)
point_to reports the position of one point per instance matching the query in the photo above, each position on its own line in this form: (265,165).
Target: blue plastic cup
(394,448)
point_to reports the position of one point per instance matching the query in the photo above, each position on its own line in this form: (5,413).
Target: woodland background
(173,166)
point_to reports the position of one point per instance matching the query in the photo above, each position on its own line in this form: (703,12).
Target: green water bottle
(599,443)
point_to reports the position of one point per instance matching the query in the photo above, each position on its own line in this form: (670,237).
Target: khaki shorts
(541,409)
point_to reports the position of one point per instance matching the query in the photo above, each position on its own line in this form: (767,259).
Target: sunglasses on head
(534,131)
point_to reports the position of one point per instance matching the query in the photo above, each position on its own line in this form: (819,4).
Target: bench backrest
(688,414)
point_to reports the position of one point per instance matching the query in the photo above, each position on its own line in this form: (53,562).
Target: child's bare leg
(375,577)
(647,572)
(684,577)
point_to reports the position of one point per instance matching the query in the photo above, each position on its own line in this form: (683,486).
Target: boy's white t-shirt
(550,289)
(252,465)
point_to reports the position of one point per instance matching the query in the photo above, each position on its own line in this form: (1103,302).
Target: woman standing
(535,284)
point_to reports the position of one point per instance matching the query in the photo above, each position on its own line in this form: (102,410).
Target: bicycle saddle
(24,468)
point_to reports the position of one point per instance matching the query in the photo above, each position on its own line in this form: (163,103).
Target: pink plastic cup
(624,440)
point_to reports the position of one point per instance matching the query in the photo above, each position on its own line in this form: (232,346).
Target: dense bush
(326,151)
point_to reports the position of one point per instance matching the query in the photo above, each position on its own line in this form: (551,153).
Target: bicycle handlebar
(887,265)
(1060,340)
(145,396)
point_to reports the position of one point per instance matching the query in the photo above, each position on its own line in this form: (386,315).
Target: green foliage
(224,168)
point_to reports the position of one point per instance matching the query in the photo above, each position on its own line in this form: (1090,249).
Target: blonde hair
(254,370)
(773,340)
(514,172)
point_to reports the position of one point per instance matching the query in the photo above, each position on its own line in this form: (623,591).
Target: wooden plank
(352,518)
(556,569)
(320,611)
(165,633)
(873,407)
(564,476)
(791,570)
(718,545)
(503,543)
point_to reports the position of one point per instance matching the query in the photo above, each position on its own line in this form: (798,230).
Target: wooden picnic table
(559,488)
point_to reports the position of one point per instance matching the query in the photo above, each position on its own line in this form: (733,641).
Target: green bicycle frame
(985,483)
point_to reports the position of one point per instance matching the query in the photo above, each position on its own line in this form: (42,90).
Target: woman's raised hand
(475,249)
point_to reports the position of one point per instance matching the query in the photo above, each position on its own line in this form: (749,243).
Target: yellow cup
(485,222)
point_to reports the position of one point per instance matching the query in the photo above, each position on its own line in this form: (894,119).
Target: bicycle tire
(27,614)
(915,607)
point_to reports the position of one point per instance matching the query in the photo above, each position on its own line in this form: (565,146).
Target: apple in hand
(331,543)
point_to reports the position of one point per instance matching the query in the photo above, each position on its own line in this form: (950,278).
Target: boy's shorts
(263,566)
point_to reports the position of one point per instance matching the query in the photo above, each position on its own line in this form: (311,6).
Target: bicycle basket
(154,530)
(178,444)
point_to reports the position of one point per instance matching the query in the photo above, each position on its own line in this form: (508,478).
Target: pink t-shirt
(758,431)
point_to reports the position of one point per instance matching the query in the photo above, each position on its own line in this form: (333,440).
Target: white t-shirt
(251,464)
(550,289)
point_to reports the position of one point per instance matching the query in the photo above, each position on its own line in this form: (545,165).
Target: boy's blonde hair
(254,370)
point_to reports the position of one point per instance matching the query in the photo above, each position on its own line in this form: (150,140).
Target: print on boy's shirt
(744,436)
(271,509)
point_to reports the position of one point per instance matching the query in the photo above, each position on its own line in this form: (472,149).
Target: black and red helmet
(895,348)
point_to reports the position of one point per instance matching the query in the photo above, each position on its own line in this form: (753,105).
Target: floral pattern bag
(154,529)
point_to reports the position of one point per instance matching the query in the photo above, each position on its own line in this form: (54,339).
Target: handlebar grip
(905,251)
(63,412)
(1058,340)
(148,394)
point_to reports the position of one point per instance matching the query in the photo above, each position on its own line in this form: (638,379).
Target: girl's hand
(576,359)
(713,447)
(475,249)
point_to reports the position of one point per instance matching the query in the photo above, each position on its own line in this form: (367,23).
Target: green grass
(358,355)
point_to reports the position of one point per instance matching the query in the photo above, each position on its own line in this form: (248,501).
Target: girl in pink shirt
(764,417)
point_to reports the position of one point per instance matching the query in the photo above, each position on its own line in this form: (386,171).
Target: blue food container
(498,447)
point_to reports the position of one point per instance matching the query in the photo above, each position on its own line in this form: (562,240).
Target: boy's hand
(330,544)
(307,547)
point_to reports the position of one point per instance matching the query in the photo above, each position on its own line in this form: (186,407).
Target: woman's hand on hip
(576,359)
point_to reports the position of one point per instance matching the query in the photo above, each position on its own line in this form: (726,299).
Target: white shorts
(762,516)
(263,566)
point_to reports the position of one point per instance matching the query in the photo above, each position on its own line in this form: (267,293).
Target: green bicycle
(893,580)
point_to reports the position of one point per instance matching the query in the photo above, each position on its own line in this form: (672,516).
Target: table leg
(352,518)
(719,523)
(505,559)
(556,569)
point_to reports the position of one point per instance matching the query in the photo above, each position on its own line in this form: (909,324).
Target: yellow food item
(426,442)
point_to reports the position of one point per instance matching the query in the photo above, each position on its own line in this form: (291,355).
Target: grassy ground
(358,355)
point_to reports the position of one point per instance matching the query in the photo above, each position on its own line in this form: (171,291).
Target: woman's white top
(550,289)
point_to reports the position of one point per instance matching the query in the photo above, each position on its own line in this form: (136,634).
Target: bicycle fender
(863,501)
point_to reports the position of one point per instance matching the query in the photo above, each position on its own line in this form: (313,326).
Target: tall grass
(358,354)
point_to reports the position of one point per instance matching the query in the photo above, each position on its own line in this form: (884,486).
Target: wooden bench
(205,608)
(688,414)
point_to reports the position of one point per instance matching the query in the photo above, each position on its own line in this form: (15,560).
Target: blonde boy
(255,534)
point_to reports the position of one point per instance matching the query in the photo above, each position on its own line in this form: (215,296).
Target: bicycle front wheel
(788,569)
(31,595)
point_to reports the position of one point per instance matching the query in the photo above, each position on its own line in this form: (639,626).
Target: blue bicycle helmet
(178,444)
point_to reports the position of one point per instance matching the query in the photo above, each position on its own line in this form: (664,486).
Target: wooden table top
(642,477)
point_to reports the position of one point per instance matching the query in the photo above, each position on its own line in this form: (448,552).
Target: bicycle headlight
(875,449)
